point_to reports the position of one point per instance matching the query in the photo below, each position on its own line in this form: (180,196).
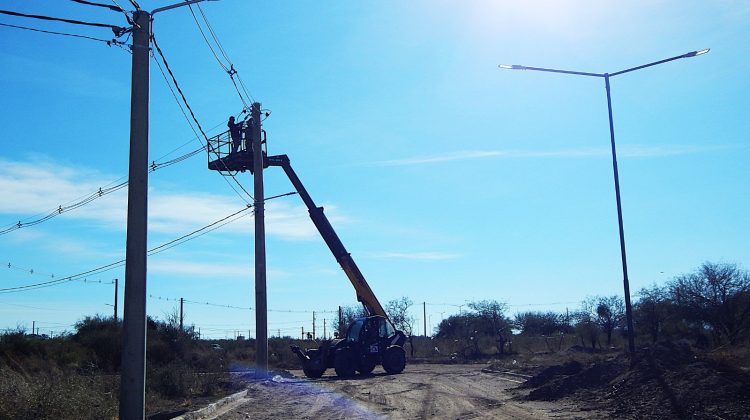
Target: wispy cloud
(625,152)
(223,271)
(418,256)
(37,187)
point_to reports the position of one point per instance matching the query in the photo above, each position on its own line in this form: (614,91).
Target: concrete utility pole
(182,301)
(313,326)
(33,327)
(424,315)
(261,317)
(133,371)
(115,315)
(324,328)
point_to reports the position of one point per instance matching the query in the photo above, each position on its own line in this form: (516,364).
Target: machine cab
(373,330)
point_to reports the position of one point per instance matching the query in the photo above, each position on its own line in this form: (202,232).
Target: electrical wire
(109,42)
(95,195)
(192,114)
(158,249)
(229,66)
(115,8)
(117,30)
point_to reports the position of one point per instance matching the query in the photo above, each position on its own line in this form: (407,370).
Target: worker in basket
(235,134)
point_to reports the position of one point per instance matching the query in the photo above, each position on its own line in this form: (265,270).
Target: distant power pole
(182,301)
(261,317)
(424,314)
(324,328)
(341,320)
(313,331)
(115,316)
(302,337)
(33,327)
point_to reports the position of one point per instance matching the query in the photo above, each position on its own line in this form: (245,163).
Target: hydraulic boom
(364,293)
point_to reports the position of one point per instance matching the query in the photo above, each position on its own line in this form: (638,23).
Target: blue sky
(448,179)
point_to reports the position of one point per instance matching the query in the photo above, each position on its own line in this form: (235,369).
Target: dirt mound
(666,381)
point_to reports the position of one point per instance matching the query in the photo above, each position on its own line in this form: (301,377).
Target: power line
(117,30)
(115,8)
(187,105)
(109,42)
(95,195)
(158,249)
(109,266)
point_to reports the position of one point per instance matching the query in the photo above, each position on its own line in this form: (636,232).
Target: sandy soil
(422,391)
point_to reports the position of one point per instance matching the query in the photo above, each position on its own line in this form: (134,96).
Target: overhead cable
(96,194)
(112,265)
(115,8)
(163,247)
(192,114)
(116,29)
(109,42)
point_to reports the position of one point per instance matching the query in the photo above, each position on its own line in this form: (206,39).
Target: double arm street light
(606,76)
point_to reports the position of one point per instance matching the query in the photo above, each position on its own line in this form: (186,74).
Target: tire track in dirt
(422,391)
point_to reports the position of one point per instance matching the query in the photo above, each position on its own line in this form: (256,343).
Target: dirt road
(422,391)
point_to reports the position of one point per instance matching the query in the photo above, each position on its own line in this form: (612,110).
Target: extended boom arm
(364,293)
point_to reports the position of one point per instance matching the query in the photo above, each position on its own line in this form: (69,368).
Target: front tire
(394,359)
(344,363)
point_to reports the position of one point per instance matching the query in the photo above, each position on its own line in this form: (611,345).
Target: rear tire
(344,363)
(394,359)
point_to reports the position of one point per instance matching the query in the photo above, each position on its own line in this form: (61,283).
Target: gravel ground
(422,391)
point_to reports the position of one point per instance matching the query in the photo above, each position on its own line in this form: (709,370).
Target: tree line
(709,307)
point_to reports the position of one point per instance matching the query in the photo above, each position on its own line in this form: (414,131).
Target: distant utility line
(155,250)
(117,30)
(121,262)
(244,308)
(93,196)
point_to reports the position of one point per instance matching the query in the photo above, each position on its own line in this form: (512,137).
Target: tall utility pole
(324,328)
(33,327)
(133,376)
(133,371)
(313,326)
(115,305)
(424,315)
(182,301)
(261,320)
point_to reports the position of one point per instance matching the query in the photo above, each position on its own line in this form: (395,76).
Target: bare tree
(494,312)
(348,315)
(716,295)
(398,313)
(652,311)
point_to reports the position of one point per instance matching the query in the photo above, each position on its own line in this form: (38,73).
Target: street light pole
(606,77)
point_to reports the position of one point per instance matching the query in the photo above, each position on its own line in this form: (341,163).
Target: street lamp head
(697,53)
(511,67)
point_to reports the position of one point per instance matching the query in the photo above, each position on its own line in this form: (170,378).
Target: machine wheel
(365,366)
(314,373)
(314,367)
(344,363)
(394,359)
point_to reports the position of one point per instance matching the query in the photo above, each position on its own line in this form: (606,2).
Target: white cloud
(37,187)
(218,271)
(418,256)
(624,151)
